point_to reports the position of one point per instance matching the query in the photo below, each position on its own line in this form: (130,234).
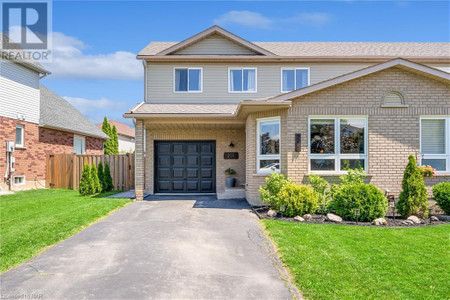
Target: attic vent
(393,99)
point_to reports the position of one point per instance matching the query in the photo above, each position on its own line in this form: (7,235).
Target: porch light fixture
(430,209)
(357,212)
(231,145)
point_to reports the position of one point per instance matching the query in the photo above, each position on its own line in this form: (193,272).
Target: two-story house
(216,101)
(35,122)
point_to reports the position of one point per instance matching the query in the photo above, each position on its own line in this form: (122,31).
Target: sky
(95,42)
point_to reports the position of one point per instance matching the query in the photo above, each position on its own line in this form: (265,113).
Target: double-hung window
(79,144)
(337,144)
(20,135)
(242,80)
(435,143)
(188,80)
(268,145)
(293,79)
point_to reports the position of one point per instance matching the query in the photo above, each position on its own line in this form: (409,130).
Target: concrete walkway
(199,248)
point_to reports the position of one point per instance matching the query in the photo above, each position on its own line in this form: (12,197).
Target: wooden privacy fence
(64,170)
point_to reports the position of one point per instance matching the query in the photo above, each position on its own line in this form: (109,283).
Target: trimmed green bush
(97,187)
(366,197)
(297,200)
(413,199)
(352,177)
(441,193)
(321,187)
(101,176)
(85,186)
(269,192)
(108,179)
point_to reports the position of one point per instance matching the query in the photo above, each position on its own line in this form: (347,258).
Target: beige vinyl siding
(19,92)
(215,80)
(217,45)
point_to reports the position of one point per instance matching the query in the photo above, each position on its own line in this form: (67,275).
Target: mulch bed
(261,212)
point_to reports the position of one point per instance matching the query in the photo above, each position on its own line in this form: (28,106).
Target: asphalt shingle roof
(57,113)
(159,108)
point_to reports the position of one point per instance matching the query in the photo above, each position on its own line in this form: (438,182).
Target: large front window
(188,80)
(268,156)
(337,144)
(435,142)
(242,80)
(293,79)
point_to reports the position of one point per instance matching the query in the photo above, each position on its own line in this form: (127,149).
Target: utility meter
(9,146)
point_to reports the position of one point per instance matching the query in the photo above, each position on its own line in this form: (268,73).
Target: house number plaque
(231,155)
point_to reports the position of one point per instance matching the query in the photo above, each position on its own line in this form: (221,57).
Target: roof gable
(202,42)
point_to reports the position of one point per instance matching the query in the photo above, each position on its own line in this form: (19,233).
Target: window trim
(446,155)
(22,144)
(188,91)
(337,156)
(19,176)
(84,143)
(295,77)
(242,69)
(259,156)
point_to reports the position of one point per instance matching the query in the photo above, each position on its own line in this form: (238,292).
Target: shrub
(101,176)
(107,178)
(274,183)
(85,187)
(352,177)
(321,187)
(413,199)
(297,200)
(230,171)
(441,193)
(96,186)
(366,197)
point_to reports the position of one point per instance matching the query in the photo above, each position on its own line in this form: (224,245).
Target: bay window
(268,145)
(435,142)
(337,144)
(293,79)
(188,80)
(242,80)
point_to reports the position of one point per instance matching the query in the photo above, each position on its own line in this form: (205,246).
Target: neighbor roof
(122,128)
(57,113)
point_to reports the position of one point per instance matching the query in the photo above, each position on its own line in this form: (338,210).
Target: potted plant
(231,181)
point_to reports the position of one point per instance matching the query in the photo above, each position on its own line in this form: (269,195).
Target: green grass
(350,262)
(33,220)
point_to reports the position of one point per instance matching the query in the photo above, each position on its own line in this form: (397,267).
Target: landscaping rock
(379,221)
(414,219)
(434,218)
(271,213)
(408,222)
(299,219)
(334,218)
(307,217)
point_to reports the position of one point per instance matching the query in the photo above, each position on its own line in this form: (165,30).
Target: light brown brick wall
(139,163)
(223,137)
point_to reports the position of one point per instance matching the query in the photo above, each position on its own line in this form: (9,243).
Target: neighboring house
(290,107)
(38,122)
(125,135)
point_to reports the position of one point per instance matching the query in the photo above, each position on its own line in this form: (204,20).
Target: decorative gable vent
(393,99)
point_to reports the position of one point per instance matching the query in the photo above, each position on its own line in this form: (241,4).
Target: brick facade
(38,142)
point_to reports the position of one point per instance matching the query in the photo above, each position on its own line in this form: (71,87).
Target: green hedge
(441,193)
(297,200)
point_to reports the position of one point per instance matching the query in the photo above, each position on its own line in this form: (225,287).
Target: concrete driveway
(199,248)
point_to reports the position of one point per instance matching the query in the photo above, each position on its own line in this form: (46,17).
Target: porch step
(232,193)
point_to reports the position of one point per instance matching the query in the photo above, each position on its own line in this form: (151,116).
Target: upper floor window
(268,155)
(293,79)
(79,144)
(242,80)
(337,144)
(188,80)
(20,135)
(435,142)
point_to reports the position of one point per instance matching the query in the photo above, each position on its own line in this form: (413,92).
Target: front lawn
(351,262)
(33,220)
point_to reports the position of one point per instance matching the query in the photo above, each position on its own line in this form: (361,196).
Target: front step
(232,193)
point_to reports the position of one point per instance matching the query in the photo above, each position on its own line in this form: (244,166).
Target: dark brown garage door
(185,166)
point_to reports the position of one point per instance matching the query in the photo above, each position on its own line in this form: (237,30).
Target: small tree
(413,198)
(107,146)
(101,176)
(97,187)
(115,140)
(108,179)
(85,187)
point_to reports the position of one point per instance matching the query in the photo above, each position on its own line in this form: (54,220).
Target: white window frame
(242,83)
(83,144)
(260,156)
(295,77)
(337,156)
(22,144)
(188,91)
(445,156)
(19,176)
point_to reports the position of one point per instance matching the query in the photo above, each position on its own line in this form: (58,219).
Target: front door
(185,166)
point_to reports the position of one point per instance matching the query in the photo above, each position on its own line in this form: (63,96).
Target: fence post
(74,172)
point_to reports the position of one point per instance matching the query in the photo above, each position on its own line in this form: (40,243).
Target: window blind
(433,136)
